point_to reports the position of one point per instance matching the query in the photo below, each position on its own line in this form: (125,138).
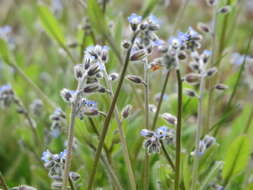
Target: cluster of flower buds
(58,119)
(55,164)
(36,107)
(204,144)
(7,96)
(147,38)
(153,139)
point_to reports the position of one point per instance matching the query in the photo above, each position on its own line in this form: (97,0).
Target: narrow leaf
(236,158)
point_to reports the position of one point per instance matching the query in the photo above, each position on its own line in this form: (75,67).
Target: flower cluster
(58,119)
(153,138)
(55,164)
(204,144)
(147,38)
(88,74)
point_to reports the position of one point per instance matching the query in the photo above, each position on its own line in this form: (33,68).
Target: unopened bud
(211,72)
(192,78)
(135,79)
(126,110)
(138,55)
(182,55)
(211,2)
(225,10)
(91,112)
(94,69)
(91,88)
(78,72)
(113,76)
(68,95)
(74,176)
(203,28)
(221,87)
(126,44)
(190,93)
(169,118)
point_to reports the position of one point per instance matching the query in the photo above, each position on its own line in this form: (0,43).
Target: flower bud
(169,118)
(135,79)
(74,176)
(221,87)
(126,110)
(138,55)
(182,55)
(94,69)
(91,112)
(211,2)
(68,95)
(113,76)
(91,88)
(192,78)
(211,72)
(225,10)
(152,108)
(78,72)
(191,93)
(49,164)
(126,44)
(203,28)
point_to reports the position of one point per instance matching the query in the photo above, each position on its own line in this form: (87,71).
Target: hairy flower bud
(113,76)
(135,79)
(68,95)
(74,176)
(225,10)
(203,28)
(138,55)
(93,70)
(221,87)
(191,93)
(78,72)
(192,78)
(171,119)
(91,88)
(211,72)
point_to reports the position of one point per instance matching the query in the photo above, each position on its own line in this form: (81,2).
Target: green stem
(2,182)
(108,117)
(72,186)
(122,137)
(146,96)
(178,130)
(198,134)
(160,99)
(167,156)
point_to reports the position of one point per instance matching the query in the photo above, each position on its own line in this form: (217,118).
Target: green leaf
(51,25)
(148,7)
(4,50)
(96,17)
(236,158)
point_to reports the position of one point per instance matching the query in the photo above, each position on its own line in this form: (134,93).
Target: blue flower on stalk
(162,132)
(134,19)
(46,156)
(63,154)
(158,43)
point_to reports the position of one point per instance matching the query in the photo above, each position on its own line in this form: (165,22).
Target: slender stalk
(146,96)
(160,99)
(111,173)
(198,133)
(30,121)
(2,182)
(213,35)
(109,115)
(178,130)
(249,121)
(122,137)
(72,186)
(167,156)
(32,84)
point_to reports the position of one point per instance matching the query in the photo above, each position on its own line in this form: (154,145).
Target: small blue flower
(162,132)
(153,19)
(63,154)
(134,19)
(207,53)
(158,43)
(147,133)
(5,87)
(46,156)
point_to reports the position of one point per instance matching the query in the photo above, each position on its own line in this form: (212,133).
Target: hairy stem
(198,133)
(122,137)
(2,182)
(146,96)
(178,130)
(108,117)
(160,100)
(167,156)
